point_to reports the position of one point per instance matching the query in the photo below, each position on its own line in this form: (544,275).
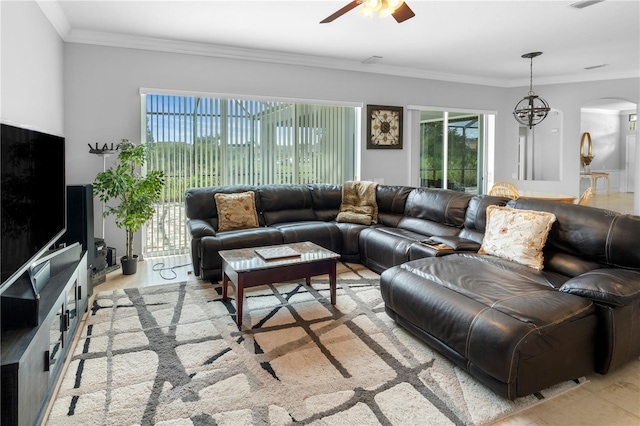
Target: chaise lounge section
(519,330)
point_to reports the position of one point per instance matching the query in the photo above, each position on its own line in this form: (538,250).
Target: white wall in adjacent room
(605,132)
(31,70)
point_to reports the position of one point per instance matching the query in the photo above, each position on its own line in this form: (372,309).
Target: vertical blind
(200,142)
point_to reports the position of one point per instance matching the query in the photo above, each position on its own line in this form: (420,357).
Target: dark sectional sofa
(516,329)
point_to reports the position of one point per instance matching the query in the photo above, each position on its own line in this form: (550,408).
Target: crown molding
(226,52)
(54,13)
(580,77)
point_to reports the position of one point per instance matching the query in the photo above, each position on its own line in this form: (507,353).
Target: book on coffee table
(277,252)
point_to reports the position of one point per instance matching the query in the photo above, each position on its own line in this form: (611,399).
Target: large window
(450,150)
(211,141)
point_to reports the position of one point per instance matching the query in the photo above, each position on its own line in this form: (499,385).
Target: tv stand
(33,351)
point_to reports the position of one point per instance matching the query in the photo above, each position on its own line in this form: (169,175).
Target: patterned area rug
(172,354)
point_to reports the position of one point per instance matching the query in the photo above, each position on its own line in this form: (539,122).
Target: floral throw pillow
(517,235)
(236,211)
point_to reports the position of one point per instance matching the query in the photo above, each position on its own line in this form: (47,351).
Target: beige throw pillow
(236,211)
(517,235)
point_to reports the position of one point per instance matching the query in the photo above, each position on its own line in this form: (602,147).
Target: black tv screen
(32,195)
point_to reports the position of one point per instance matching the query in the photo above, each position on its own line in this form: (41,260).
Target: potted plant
(136,195)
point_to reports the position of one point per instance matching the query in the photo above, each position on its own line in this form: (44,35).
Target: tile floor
(616,201)
(613,399)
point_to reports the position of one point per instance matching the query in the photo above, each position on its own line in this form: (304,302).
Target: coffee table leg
(225,283)
(332,282)
(239,299)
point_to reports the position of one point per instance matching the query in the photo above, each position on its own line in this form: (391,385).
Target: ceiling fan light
(373,5)
(394,4)
(366,12)
(386,12)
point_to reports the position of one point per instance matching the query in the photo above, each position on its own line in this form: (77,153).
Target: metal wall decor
(532,109)
(384,127)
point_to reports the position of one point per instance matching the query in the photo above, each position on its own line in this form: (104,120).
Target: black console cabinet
(32,357)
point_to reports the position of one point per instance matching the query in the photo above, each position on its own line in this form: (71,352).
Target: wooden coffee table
(245,268)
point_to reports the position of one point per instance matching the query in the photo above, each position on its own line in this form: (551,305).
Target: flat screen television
(32,197)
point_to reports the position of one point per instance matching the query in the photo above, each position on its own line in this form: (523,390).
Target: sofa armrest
(457,243)
(200,228)
(611,286)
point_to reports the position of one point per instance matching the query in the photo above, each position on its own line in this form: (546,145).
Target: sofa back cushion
(438,205)
(326,200)
(286,203)
(391,201)
(200,203)
(427,228)
(475,219)
(594,235)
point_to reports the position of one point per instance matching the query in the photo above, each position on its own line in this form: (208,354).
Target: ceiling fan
(396,8)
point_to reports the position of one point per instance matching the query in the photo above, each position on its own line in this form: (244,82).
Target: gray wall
(32,68)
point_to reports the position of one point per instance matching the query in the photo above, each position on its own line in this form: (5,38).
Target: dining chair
(504,189)
(586,197)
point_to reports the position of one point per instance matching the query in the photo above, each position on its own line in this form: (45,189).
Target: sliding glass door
(451,150)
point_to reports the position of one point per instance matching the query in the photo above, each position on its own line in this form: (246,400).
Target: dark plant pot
(129,266)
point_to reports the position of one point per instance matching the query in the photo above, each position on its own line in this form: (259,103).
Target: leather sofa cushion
(326,200)
(200,202)
(616,287)
(567,264)
(232,240)
(426,227)
(492,311)
(383,247)
(325,234)
(391,200)
(350,237)
(593,234)
(286,203)
(475,218)
(438,205)
(200,228)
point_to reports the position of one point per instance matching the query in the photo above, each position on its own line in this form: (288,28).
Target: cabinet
(32,356)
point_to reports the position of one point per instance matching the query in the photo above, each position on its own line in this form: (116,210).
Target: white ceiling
(465,41)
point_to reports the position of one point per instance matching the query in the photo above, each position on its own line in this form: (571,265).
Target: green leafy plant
(136,193)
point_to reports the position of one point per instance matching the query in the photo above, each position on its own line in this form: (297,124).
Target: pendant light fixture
(532,109)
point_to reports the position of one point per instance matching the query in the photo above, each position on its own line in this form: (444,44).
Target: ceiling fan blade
(339,13)
(403,13)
